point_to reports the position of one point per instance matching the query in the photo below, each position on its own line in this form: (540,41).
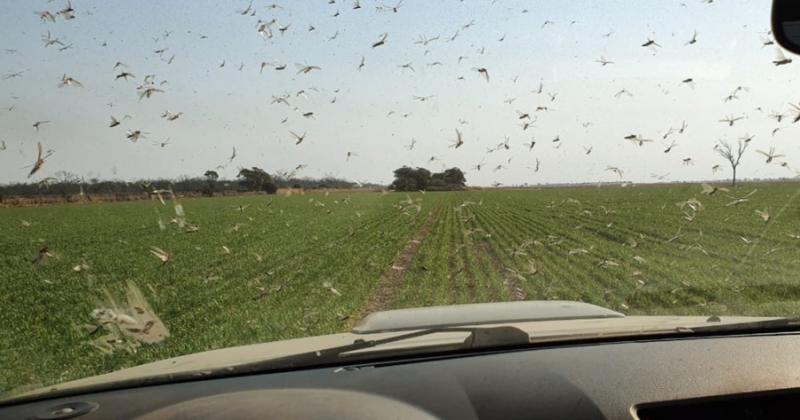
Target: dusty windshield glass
(178,177)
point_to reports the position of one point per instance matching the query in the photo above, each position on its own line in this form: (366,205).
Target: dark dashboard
(743,376)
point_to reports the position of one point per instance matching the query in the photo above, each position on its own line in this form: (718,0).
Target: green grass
(206,297)
(481,247)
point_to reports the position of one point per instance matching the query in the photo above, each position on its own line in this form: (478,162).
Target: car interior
(716,374)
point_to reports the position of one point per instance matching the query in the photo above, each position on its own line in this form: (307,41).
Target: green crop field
(252,269)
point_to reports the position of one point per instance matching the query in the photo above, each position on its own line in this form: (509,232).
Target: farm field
(252,269)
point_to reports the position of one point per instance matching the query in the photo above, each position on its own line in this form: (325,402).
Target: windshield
(177,177)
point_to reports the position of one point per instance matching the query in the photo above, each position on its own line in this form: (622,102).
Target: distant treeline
(70,187)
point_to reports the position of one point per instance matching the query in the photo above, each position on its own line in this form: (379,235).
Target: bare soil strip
(395,276)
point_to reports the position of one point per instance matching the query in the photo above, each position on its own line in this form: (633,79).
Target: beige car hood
(538,330)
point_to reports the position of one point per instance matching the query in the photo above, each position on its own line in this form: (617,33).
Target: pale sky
(224,107)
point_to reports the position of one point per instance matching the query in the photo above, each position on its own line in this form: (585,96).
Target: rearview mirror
(786,24)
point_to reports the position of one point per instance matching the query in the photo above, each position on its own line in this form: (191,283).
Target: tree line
(67,185)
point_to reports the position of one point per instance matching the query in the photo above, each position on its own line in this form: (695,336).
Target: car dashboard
(731,376)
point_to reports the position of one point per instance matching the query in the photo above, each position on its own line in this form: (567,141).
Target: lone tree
(211,175)
(733,157)
(256,179)
(211,179)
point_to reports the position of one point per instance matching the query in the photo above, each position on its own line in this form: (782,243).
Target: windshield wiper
(479,337)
